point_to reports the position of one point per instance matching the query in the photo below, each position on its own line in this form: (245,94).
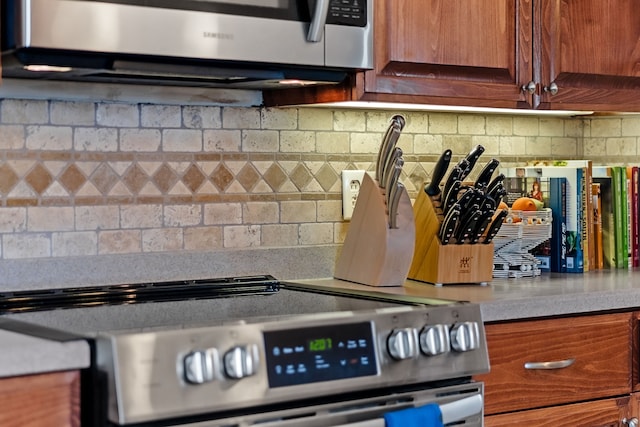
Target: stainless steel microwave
(233,43)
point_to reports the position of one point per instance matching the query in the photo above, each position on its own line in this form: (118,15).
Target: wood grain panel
(602,413)
(45,400)
(600,345)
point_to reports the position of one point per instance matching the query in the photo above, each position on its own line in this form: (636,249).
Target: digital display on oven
(324,353)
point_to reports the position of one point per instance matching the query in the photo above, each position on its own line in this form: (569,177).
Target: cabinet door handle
(552,88)
(558,364)
(529,87)
(633,422)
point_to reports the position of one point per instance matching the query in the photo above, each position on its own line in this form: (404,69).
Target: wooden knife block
(441,264)
(374,254)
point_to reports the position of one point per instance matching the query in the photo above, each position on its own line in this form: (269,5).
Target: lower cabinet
(44,400)
(573,371)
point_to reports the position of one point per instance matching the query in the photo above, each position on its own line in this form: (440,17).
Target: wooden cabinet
(569,371)
(51,399)
(573,55)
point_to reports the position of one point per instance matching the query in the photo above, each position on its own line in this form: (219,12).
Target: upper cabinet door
(462,52)
(590,54)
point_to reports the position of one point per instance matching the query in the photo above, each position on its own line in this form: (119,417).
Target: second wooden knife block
(441,264)
(374,254)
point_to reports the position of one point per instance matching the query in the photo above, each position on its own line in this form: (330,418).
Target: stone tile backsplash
(92,179)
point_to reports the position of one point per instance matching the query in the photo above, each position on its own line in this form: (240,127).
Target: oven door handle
(452,412)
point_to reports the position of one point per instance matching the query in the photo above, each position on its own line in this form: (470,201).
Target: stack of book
(595,213)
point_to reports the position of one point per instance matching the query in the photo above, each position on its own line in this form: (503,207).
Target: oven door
(460,405)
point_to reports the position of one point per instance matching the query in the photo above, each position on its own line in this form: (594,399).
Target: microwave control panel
(348,12)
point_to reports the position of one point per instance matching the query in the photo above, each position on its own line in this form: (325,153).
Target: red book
(634,235)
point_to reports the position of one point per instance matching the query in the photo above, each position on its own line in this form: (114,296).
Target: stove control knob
(241,361)
(403,343)
(465,336)
(198,366)
(434,340)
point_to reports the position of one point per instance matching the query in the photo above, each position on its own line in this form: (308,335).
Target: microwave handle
(318,20)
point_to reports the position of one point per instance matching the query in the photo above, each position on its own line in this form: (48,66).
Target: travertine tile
(75,243)
(564,147)
(279,118)
(621,146)
(593,147)
(499,125)
(241,236)
(459,144)
(607,127)
(329,210)
(537,146)
(19,111)
(223,213)
(97,217)
(297,211)
(443,123)
(202,117)
(631,126)
(229,141)
(8,179)
(26,245)
(241,118)
(551,126)
(526,126)
(12,137)
(95,139)
(365,142)
(161,116)
(260,141)
(512,145)
(187,140)
(280,235)
(140,140)
(202,238)
(316,233)
(491,145)
(50,218)
(141,216)
(162,239)
(13,220)
(117,115)
(416,122)
(297,142)
(428,144)
(119,242)
(347,120)
(318,119)
(332,142)
(260,213)
(49,138)
(74,113)
(471,124)
(182,215)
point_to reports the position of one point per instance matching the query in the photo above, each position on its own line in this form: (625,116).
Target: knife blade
(396,193)
(495,225)
(449,225)
(467,226)
(392,179)
(472,158)
(388,144)
(433,188)
(396,154)
(485,175)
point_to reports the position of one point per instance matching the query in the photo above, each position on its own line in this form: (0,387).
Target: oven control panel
(237,364)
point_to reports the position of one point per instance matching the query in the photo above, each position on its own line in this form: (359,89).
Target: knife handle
(485,175)
(495,225)
(433,188)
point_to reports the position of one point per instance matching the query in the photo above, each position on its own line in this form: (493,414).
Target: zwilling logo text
(219,36)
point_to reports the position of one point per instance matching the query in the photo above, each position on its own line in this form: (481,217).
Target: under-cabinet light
(448,108)
(47,68)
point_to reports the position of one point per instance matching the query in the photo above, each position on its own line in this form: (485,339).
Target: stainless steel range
(255,351)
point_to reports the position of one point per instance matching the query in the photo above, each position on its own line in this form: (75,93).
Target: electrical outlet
(351,182)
